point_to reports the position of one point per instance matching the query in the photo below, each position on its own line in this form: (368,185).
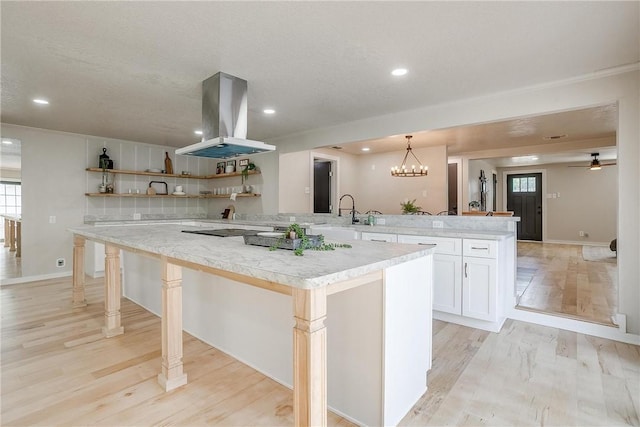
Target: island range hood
(224,121)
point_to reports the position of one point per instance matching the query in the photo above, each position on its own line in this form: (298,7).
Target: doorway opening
(11,209)
(324,179)
(452,183)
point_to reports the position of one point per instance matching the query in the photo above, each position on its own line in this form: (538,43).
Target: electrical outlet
(307,190)
(380,221)
(52,219)
(581,233)
(60,262)
(438,224)
(292,219)
(424,193)
(137,216)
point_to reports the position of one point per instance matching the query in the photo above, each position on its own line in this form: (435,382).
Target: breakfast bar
(401,275)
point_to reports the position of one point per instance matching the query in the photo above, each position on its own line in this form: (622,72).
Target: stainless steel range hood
(224,121)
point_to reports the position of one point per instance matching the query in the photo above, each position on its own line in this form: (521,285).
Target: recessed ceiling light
(524,159)
(197,132)
(41,101)
(399,72)
(6,141)
(269,111)
(564,135)
(366,148)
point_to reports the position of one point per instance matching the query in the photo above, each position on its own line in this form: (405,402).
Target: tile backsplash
(140,157)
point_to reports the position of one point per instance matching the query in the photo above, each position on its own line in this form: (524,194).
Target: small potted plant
(409,207)
(245,175)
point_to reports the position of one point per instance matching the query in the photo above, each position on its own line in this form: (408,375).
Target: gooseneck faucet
(353,208)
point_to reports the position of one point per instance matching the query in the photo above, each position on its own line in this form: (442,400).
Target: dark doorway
(524,198)
(453,188)
(495,192)
(321,186)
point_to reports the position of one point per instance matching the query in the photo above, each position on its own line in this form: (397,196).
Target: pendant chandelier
(406,171)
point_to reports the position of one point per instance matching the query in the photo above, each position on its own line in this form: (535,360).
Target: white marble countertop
(314,269)
(418,231)
(433,232)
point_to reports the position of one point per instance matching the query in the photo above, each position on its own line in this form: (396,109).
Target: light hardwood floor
(563,283)
(57,369)
(11,265)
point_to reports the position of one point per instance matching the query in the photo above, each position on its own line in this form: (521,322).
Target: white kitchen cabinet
(379,237)
(447,283)
(479,288)
(447,271)
(470,277)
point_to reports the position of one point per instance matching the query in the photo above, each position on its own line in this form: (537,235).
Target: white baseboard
(576,242)
(25,279)
(469,322)
(609,332)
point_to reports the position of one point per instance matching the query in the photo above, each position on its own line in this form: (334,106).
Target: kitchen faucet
(353,208)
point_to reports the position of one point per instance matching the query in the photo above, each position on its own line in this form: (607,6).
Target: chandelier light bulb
(402,171)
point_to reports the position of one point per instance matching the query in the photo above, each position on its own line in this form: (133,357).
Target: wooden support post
(172,375)
(7,232)
(12,236)
(310,357)
(112,290)
(18,239)
(78,272)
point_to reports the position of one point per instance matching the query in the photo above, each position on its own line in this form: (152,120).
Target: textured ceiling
(133,70)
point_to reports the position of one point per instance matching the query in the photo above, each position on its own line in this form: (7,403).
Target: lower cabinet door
(479,287)
(447,283)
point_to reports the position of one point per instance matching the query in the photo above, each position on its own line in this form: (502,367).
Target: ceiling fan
(595,163)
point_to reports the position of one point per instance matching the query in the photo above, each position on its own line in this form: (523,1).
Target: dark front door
(321,187)
(524,198)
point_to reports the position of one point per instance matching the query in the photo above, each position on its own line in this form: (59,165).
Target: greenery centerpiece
(294,231)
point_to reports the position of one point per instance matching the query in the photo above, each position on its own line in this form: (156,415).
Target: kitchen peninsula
(368,362)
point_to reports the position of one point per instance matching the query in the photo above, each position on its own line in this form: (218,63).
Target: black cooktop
(223,232)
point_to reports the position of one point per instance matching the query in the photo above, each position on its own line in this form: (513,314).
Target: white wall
(54,183)
(597,89)
(368,179)
(588,202)
(475,166)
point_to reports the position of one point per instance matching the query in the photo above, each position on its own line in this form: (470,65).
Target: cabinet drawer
(479,248)
(379,237)
(444,245)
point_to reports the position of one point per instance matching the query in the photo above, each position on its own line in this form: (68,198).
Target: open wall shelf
(129,172)
(172,196)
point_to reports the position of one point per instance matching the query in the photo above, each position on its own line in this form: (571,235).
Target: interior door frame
(335,182)
(458,161)
(543,172)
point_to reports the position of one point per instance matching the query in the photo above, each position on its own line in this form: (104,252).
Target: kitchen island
(378,295)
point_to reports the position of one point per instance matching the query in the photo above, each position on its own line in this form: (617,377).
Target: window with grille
(10,199)
(524,185)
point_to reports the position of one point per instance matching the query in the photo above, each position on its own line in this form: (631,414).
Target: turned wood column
(12,236)
(18,239)
(112,291)
(310,357)
(172,375)
(78,272)
(7,232)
